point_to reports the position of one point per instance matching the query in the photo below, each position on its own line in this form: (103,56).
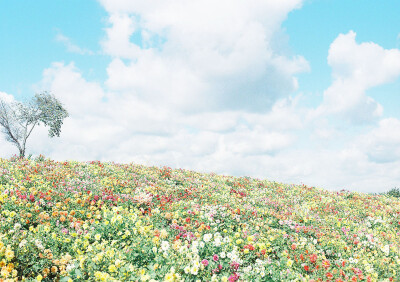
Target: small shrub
(394,192)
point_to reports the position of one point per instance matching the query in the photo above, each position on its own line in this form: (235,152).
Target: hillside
(79,221)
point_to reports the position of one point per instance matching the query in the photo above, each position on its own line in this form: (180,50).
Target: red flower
(313,258)
(293,247)
(306,268)
(329,275)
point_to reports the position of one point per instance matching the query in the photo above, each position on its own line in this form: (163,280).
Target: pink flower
(235,265)
(215,257)
(204,262)
(233,277)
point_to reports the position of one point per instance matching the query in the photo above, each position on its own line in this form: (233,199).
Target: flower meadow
(94,221)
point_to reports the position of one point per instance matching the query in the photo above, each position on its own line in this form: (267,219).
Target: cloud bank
(202,85)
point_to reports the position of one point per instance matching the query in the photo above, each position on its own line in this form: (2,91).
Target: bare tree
(18,120)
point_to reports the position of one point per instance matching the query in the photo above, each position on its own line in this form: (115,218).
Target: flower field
(92,221)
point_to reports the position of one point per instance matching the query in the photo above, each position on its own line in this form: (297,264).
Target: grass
(93,221)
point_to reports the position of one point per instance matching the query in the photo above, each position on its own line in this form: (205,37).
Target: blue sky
(293,91)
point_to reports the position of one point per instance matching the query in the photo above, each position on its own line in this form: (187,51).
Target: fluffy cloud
(201,56)
(355,69)
(6,97)
(382,144)
(202,85)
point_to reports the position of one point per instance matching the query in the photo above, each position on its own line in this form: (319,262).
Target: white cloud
(79,96)
(355,69)
(6,97)
(203,86)
(201,56)
(124,129)
(66,41)
(382,144)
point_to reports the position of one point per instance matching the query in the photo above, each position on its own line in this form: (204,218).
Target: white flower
(222,255)
(23,243)
(187,269)
(70,267)
(386,249)
(217,242)
(164,245)
(194,270)
(202,244)
(207,237)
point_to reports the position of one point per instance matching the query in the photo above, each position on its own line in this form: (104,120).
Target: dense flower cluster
(78,221)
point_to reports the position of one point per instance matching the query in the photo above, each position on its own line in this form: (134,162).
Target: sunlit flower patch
(79,221)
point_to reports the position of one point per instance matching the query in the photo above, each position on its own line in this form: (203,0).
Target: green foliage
(394,192)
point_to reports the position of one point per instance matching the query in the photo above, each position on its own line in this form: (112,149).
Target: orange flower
(62,218)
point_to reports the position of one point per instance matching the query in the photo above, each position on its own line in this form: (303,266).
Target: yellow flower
(163,234)
(9,254)
(289,263)
(112,268)
(39,277)
(156,240)
(239,241)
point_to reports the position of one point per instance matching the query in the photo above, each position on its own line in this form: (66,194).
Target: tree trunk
(22,153)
